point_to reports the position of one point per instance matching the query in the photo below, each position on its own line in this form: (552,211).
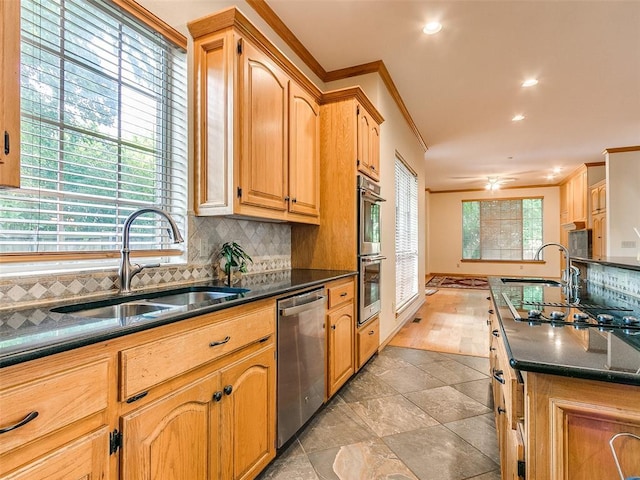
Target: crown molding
(271,18)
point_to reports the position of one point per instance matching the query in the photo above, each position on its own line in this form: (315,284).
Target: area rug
(479,283)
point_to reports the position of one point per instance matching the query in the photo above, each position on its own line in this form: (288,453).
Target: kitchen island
(563,384)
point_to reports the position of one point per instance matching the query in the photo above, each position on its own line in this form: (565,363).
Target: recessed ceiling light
(432,27)
(517,118)
(530,82)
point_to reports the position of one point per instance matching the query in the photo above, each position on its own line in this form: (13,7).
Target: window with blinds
(103,133)
(508,230)
(406,234)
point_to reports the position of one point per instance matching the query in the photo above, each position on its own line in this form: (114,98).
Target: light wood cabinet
(192,399)
(508,399)
(221,426)
(257,135)
(368,144)
(10,94)
(51,408)
(340,334)
(334,243)
(176,436)
(248,422)
(569,425)
(85,458)
(599,219)
(368,341)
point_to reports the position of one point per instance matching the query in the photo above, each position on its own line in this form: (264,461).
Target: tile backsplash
(269,244)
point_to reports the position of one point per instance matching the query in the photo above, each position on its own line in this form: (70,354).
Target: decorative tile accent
(269,244)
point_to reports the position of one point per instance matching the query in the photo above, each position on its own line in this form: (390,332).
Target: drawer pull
(333,327)
(371,332)
(220,342)
(21,423)
(495,333)
(491,312)
(135,398)
(488,322)
(501,410)
(217,396)
(343,294)
(492,349)
(228,389)
(497,374)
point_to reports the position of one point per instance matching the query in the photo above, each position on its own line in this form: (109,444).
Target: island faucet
(570,274)
(127,271)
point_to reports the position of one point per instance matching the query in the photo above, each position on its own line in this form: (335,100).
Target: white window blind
(406,234)
(103,131)
(508,229)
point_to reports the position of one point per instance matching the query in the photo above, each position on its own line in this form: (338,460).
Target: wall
(623,201)
(445,234)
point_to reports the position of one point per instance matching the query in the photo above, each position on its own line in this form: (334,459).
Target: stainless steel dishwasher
(301,360)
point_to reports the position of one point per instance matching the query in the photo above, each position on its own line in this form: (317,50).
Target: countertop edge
(74,343)
(560,370)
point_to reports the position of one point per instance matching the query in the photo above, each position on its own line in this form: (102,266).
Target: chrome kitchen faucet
(570,274)
(127,271)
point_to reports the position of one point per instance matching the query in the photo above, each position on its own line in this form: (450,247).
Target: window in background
(103,133)
(406,233)
(501,229)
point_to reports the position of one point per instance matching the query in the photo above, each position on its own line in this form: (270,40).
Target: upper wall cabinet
(258,125)
(368,154)
(10,94)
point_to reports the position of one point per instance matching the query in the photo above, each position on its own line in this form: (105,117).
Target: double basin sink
(152,305)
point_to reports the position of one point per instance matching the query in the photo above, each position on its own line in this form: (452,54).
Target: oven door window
(371,222)
(371,284)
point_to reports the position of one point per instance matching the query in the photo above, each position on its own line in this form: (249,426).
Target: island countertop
(567,349)
(30,333)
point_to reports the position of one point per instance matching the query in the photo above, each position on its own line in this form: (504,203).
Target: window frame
(505,261)
(148,20)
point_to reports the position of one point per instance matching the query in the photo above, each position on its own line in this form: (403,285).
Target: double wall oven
(369,255)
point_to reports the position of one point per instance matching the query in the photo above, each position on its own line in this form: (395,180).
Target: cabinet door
(304,153)
(365,123)
(10,94)
(264,145)
(85,458)
(248,433)
(374,152)
(174,437)
(341,347)
(368,341)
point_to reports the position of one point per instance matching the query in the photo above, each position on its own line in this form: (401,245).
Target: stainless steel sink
(531,281)
(125,310)
(190,298)
(152,305)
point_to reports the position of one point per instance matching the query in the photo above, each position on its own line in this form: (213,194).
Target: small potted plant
(235,259)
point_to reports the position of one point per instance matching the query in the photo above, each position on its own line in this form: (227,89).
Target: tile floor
(408,414)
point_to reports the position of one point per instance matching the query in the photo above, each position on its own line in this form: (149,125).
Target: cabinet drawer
(152,363)
(368,341)
(339,294)
(54,401)
(513,388)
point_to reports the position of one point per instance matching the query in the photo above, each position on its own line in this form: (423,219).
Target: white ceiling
(462,86)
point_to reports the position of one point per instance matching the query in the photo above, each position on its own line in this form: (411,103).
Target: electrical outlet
(457,265)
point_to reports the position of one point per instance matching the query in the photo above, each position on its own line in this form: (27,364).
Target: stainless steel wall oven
(370,259)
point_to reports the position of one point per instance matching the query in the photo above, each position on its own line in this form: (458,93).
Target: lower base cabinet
(219,427)
(85,458)
(368,341)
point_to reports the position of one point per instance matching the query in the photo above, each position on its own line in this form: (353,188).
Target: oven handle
(376,259)
(369,195)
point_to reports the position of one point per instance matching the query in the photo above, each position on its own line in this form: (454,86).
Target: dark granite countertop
(30,333)
(629,263)
(567,351)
